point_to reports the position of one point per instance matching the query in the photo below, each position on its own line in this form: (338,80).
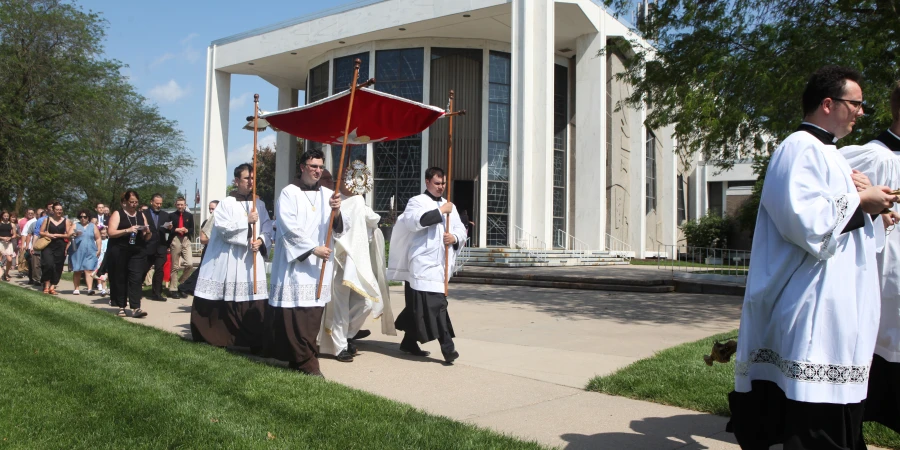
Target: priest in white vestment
(294,315)
(880,161)
(226,311)
(357,283)
(417,254)
(811,307)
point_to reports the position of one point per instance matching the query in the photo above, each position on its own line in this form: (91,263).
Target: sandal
(53,292)
(121,312)
(47,291)
(138,313)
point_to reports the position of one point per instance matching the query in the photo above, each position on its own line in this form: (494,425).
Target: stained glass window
(343,71)
(398,164)
(651,172)
(560,145)
(498,150)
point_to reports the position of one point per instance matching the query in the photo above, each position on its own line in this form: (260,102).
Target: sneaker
(138,313)
(76,292)
(103,292)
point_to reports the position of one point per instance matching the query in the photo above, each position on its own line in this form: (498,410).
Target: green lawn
(78,377)
(678,376)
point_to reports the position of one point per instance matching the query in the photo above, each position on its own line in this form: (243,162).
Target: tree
(265,177)
(729,75)
(71,127)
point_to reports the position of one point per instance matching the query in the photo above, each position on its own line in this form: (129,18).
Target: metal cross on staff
(451,114)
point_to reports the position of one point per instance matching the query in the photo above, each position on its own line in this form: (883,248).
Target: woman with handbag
(58,229)
(128,235)
(7,249)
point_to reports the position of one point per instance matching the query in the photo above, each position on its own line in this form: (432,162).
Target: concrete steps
(473,276)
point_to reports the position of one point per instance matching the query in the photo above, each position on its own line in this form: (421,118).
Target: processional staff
(450,113)
(253,199)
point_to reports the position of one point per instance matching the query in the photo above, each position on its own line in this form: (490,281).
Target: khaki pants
(182,260)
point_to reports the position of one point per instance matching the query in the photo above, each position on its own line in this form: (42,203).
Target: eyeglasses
(82,217)
(315,167)
(856,104)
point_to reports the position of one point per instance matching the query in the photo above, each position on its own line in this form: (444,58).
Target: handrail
(618,247)
(572,244)
(463,257)
(704,260)
(532,245)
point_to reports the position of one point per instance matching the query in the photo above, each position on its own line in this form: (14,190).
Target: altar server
(811,307)
(225,310)
(417,257)
(880,160)
(295,314)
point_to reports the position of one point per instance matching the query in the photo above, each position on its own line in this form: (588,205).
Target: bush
(711,231)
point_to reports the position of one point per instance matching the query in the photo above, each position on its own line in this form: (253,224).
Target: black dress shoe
(361,334)
(450,357)
(344,356)
(157,298)
(174,295)
(351,348)
(416,351)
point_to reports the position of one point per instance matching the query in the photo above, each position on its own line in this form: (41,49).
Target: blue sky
(164,44)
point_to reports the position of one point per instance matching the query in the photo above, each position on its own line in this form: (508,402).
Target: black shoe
(361,334)
(157,298)
(174,295)
(416,351)
(351,348)
(344,356)
(450,357)
(182,294)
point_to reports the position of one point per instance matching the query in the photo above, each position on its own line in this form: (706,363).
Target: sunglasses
(82,217)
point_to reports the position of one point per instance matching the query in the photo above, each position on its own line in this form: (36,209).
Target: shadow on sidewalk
(392,349)
(656,433)
(624,307)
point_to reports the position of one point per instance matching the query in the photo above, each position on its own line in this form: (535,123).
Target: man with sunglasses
(294,316)
(417,257)
(880,160)
(810,314)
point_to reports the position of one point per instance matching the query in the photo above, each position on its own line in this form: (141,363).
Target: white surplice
(811,308)
(356,292)
(417,252)
(226,272)
(882,166)
(300,229)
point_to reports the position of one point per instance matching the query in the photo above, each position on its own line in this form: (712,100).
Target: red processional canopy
(376,117)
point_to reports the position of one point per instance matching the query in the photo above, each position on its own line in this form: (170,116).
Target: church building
(543,158)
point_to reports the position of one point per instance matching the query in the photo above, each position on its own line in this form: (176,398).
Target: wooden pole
(449,192)
(253,197)
(340,173)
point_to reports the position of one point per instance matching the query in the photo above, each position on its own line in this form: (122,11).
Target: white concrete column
(285,145)
(531,153)
(215,134)
(670,187)
(590,140)
(426,98)
(481,220)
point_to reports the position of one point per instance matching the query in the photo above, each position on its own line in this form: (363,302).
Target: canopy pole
(447,180)
(253,199)
(340,175)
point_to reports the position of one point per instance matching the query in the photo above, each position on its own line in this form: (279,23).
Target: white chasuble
(227,269)
(882,166)
(301,219)
(417,252)
(811,307)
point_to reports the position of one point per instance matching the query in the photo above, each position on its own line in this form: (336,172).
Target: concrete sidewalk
(526,355)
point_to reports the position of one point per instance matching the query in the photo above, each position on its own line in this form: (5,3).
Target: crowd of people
(107,251)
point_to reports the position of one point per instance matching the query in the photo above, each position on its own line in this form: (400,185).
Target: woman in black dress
(128,235)
(53,256)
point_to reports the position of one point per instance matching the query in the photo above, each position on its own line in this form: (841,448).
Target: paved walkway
(526,355)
